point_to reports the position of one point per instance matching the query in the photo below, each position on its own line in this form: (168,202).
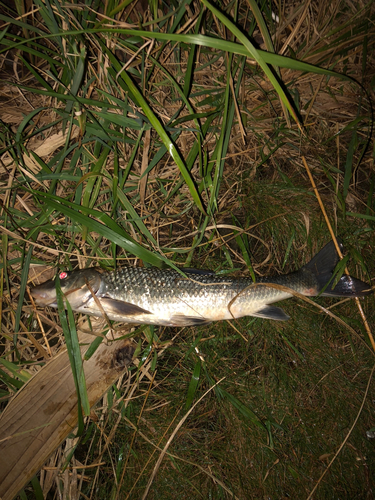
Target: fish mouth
(42,300)
(44,295)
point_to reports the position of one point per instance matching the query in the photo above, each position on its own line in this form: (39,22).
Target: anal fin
(271,312)
(182,320)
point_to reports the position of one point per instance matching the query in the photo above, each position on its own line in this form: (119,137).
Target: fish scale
(167,297)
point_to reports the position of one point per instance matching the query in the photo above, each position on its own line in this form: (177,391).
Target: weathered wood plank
(45,411)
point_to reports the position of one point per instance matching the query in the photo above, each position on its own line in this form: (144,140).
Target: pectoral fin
(271,312)
(121,308)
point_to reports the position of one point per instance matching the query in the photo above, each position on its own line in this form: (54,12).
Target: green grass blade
(206,41)
(349,163)
(245,411)
(107,228)
(262,25)
(14,369)
(236,48)
(194,382)
(24,275)
(255,54)
(74,352)
(159,128)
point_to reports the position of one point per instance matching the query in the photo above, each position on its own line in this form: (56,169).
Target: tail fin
(323,266)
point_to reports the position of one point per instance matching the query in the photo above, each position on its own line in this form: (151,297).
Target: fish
(167,297)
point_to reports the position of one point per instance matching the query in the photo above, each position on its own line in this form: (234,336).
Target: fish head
(77,286)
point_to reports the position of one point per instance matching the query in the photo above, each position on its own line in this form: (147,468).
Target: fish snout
(45,294)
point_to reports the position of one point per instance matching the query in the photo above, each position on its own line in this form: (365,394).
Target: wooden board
(43,413)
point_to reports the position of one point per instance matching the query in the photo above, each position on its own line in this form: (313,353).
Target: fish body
(166,297)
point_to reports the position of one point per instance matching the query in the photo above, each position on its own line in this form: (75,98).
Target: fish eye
(63,275)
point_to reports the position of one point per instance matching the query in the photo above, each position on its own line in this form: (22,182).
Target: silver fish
(165,297)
